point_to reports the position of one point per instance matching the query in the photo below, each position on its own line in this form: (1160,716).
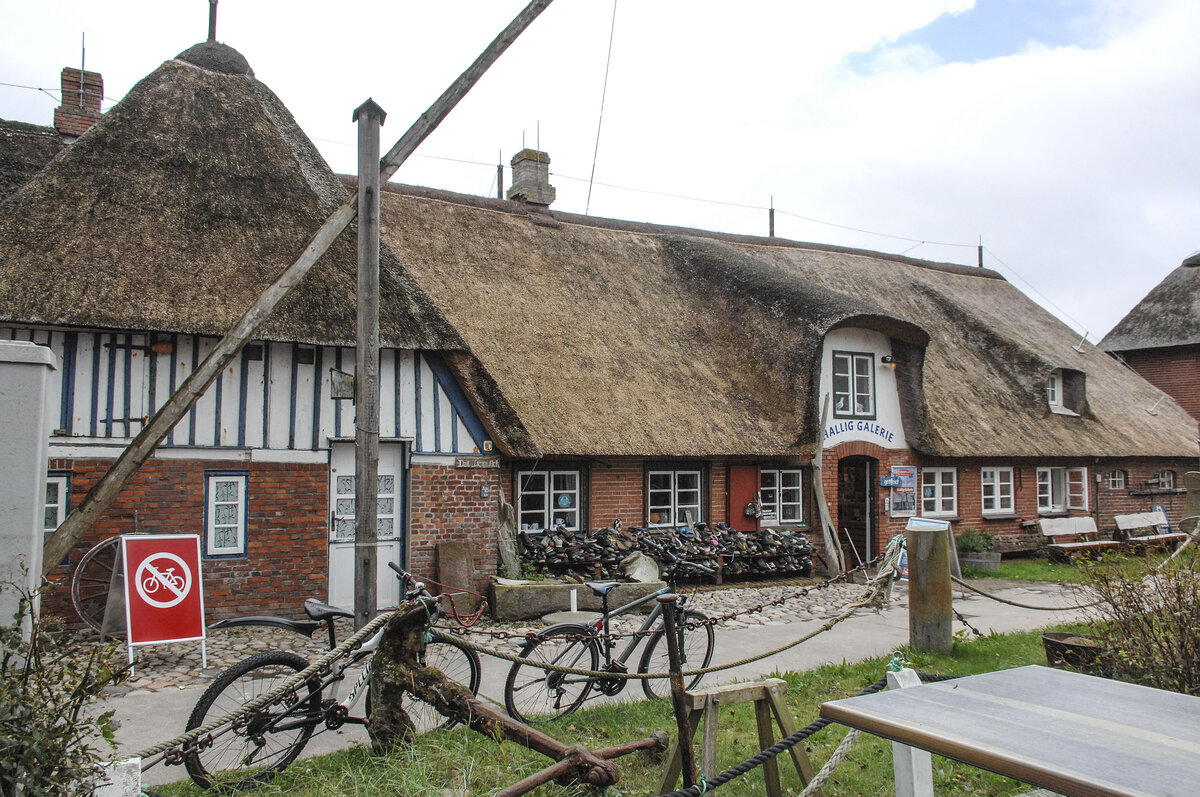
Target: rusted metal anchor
(396,669)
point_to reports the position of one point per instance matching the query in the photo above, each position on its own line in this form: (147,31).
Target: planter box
(986,560)
(539,598)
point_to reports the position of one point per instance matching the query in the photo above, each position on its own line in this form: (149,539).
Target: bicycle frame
(603,623)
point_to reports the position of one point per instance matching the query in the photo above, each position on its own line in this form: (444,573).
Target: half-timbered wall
(274,396)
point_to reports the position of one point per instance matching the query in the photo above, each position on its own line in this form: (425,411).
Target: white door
(341,523)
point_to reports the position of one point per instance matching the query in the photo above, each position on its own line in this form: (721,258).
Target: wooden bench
(1080,533)
(1150,521)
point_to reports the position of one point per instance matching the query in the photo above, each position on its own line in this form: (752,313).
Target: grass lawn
(461,763)
(1039,569)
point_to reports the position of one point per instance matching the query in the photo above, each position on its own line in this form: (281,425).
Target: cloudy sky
(1060,133)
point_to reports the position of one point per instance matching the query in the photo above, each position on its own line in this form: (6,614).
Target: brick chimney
(531,178)
(81,95)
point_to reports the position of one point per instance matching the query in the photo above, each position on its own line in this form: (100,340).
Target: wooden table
(1075,734)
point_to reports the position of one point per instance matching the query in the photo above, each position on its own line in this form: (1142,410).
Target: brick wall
(447,504)
(286,547)
(1174,370)
(78,113)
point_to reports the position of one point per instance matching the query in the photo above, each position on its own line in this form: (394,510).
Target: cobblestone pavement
(179,664)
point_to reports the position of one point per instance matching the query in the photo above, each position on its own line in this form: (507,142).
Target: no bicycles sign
(164,599)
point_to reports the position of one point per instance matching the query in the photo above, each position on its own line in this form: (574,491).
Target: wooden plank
(708,743)
(1140,520)
(674,759)
(784,717)
(733,694)
(766,738)
(1063,526)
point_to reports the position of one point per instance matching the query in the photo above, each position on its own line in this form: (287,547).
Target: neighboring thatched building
(582,369)
(1160,337)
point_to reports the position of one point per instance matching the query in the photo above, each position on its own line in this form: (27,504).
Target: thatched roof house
(152,221)
(622,339)
(581,368)
(1160,337)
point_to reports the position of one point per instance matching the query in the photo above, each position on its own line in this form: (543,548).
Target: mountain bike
(533,694)
(264,742)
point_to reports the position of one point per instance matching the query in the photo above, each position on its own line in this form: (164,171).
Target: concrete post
(24,374)
(930,613)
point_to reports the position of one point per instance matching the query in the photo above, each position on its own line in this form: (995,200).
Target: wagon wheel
(89,585)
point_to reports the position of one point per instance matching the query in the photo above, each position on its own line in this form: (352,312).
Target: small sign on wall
(903,484)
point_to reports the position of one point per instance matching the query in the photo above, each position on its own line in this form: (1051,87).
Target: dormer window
(1065,391)
(1054,390)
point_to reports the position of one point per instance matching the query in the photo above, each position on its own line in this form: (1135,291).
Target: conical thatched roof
(25,150)
(1168,316)
(610,338)
(179,206)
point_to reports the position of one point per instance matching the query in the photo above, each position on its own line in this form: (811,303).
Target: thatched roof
(25,149)
(611,338)
(179,206)
(1168,316)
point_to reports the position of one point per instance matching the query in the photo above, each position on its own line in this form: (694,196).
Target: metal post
(930,614)
(366,382)
(678,693)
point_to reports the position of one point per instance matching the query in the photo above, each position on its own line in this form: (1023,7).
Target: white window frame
(241,514)
(1117,480)
(674,498)
(781,493)
(345,510)
(939,492)
(996,487)
(546,485)
(1061,490)
(61,482)
(1054,388)
(1166,479)
(858,373)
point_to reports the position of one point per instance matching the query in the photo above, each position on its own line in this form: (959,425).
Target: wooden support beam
(139,450)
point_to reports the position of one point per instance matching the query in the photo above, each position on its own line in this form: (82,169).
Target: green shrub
(48,738)
(1146,621)
(971,541)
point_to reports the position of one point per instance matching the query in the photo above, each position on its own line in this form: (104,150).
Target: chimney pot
(531,178)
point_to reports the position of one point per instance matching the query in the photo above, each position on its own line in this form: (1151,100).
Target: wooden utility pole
(139,450)
(366,371)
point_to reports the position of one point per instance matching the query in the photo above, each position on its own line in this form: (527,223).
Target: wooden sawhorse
(767,696)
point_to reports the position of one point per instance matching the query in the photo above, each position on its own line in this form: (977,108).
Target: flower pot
(980,560)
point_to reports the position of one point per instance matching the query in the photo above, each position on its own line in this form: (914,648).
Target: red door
(743,492)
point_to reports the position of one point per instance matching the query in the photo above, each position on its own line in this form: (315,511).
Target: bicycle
(534,695)
(264,742)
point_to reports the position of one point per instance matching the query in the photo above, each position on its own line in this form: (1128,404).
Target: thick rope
(262,700)
(839,755)
(997,598)
(846,612)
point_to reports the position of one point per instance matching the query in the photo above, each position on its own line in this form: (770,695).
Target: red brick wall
(1015,532)
(1174,370)
(447,504)
(286,547)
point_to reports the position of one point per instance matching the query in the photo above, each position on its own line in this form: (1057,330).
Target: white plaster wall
(886,430)
(25,370)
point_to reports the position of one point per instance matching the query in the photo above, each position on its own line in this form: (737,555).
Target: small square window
(939,492)
(225,517)
(1117,480)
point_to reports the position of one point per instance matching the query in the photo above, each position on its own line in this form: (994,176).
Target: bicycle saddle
(319,610)
(601,588)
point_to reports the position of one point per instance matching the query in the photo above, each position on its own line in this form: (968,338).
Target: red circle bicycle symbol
(163,580)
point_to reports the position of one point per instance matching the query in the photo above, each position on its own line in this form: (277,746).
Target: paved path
(155,706)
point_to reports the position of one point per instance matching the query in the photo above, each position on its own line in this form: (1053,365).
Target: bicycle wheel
(534,695)
(251,752)
(456,663)
(695,653)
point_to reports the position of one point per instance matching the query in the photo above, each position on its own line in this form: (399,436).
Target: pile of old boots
(770,552)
